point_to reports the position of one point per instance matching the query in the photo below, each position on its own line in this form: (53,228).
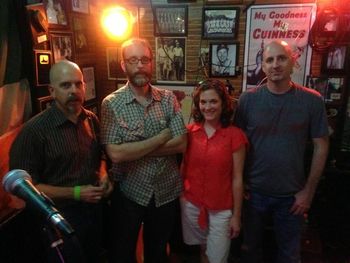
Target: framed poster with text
(288,22)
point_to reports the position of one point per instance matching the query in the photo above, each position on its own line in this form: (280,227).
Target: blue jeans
(287,228)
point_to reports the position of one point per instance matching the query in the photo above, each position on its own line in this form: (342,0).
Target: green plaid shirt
(124,120)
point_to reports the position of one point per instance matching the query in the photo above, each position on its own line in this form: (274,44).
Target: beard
(74,103)
(140,79)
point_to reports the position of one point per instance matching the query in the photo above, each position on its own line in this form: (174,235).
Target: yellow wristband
(77,192)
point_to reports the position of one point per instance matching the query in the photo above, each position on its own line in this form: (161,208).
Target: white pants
(216,237)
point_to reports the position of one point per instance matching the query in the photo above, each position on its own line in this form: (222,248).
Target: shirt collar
(130,97)
(199,126)
(58,118)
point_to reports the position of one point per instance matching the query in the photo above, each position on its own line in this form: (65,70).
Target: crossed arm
(158,145)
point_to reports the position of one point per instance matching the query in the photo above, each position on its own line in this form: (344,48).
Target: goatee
(140,79)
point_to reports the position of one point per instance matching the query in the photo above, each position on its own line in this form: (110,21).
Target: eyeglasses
(135,60)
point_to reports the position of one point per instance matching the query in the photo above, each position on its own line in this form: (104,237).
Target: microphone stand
(56,239)
(56,242)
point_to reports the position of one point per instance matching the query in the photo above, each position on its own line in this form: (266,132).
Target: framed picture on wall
(258,29)
(43,62)
(170,20)
(330,23)
(81,37)
(62,46)
(56,13)
(45,102)
(183,94)
(89,79)
(220,22)
(334,61)
(171,59)
(223,59)
(331,89)
(114,69)
(80,6)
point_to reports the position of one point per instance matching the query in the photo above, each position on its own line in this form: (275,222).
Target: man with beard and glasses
(143,130)
(60,149)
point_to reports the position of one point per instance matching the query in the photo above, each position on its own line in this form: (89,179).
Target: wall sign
(287,22)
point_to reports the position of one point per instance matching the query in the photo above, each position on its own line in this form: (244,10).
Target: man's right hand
(90,193)
(165,135)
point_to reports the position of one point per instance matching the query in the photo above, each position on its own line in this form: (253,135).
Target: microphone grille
(12,178)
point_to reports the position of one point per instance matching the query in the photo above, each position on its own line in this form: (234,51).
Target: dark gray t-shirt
(278,127)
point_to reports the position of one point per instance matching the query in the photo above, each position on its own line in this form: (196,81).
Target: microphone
(19,183)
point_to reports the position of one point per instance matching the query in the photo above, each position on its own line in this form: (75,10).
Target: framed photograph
(62,46)
(220,22)
(170,20)
(114,69)
(331,89)
(183,94)
(43,62)
(227,2)
(80,6)
(223,59)
(334,61)
(258,28)
(56,13)
(89,79)
(329,22)
(171,59)
(45,103)
(81,37)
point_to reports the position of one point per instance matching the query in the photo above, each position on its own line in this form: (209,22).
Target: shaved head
(67,87)
(282,44)
(60,68)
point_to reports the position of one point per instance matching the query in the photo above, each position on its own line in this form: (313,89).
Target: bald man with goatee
(60,149)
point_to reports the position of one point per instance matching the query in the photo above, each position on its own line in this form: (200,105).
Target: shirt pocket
(131,131)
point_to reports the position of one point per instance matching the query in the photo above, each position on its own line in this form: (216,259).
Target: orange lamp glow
(117,23)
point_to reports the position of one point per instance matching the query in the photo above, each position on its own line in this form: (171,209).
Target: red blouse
(208,165)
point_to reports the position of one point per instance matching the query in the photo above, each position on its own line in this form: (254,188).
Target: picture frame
(62,46)
(170,20)
(44,103)
(330,88)
(80,6)
(81,36)
(114,69)
(170,59)
(56,13)
(220,22)
(43,62)
(183,94)
(223,59)
(330,23)
(334,61)
(90,85)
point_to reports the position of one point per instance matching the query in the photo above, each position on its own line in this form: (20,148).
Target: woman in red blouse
(212,169)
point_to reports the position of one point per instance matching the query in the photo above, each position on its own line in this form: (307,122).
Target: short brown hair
(133,41)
